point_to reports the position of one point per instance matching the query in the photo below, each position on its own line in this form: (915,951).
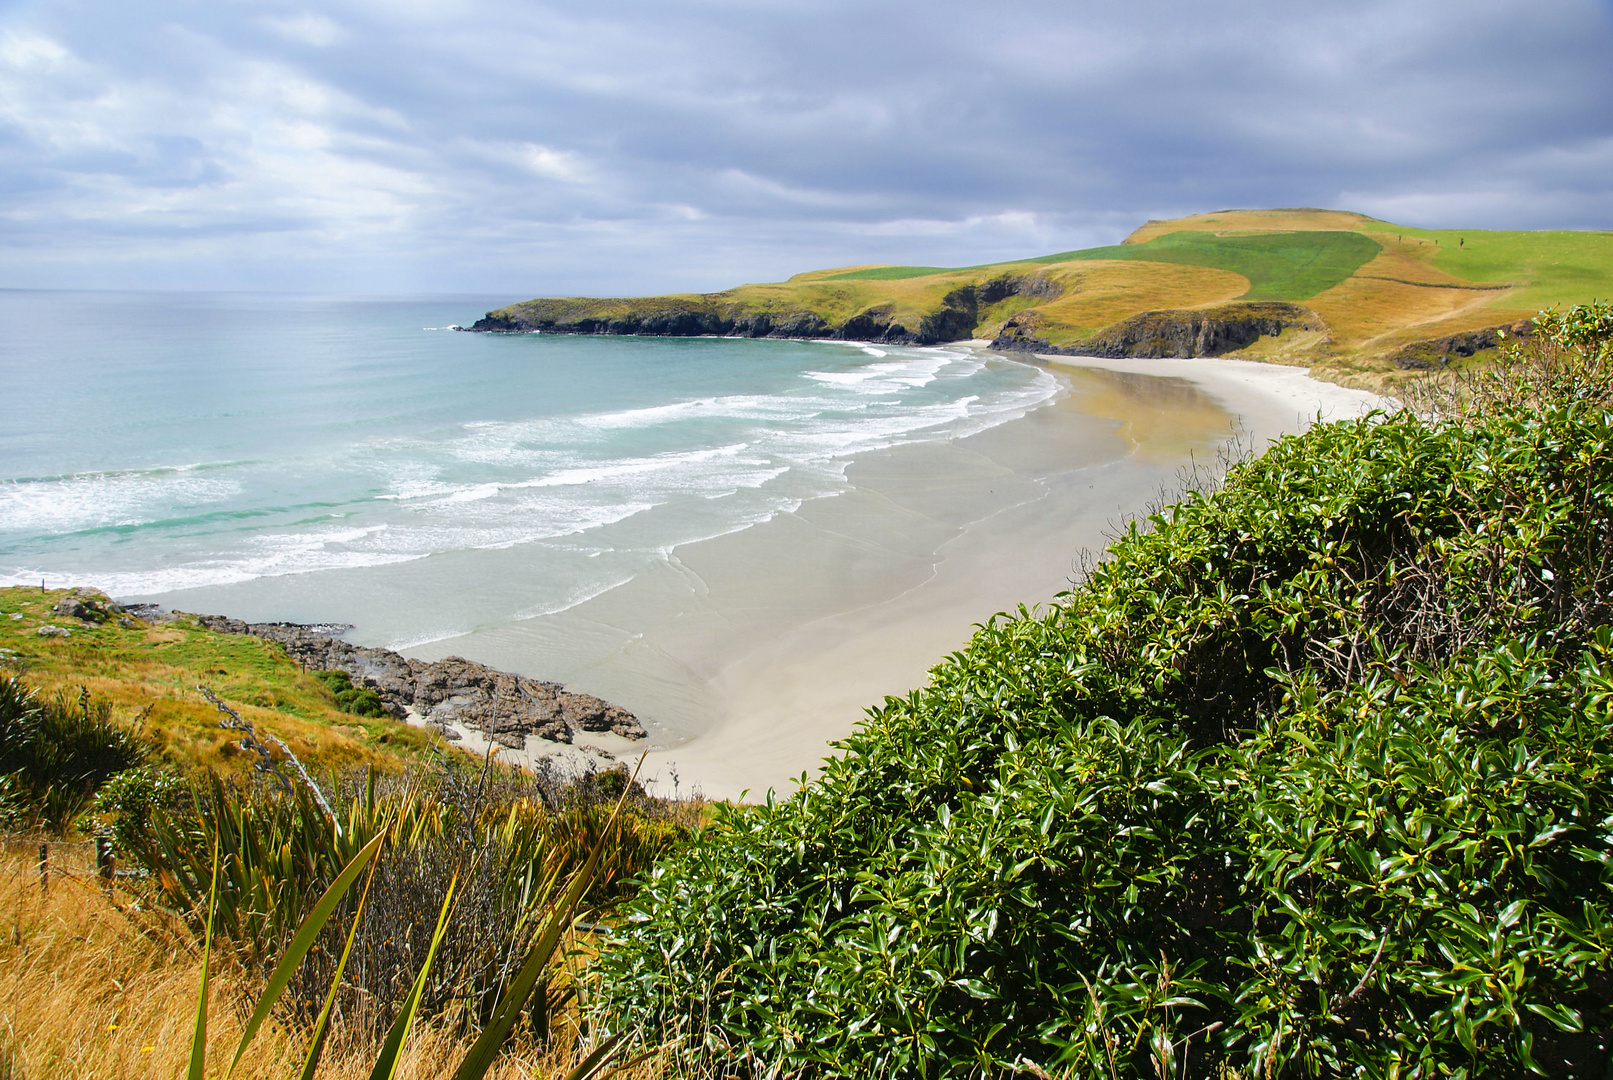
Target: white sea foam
(95,500)
(646,478)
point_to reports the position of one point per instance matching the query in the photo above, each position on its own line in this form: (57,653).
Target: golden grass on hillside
(1375,316)
(1101,292)
(1289,219)
(92,988)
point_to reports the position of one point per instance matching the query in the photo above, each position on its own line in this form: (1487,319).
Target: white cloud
(307,28)
(544,144)
(26,51)
(552,164)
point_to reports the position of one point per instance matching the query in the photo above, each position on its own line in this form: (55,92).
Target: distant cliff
(1374,302)
(952,316)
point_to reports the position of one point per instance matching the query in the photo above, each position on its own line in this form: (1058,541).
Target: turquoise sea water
(160,444)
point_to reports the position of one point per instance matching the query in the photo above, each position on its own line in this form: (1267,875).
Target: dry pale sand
(778,684)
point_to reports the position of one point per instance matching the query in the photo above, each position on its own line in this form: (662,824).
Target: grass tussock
(93,987)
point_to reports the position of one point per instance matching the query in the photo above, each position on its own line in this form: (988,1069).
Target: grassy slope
(1379,286)
(1276,266)
(160,666)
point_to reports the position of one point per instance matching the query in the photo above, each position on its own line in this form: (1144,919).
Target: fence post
(105,864)
(44,869)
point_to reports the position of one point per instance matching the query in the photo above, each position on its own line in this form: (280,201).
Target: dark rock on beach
(507,708)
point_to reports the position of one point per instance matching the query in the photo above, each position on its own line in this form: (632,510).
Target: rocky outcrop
(1178,333)
(1436,353)
(507,708)
(954,320)
(87,605)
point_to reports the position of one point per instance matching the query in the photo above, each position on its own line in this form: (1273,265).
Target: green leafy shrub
(124,805)
(360,701)
(1312,776)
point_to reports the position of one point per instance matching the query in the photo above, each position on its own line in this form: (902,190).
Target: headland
(1362,302)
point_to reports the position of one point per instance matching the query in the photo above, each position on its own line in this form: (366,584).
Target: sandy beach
(751,652)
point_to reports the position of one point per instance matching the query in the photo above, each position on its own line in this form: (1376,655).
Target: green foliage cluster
(124,805)
(56,753)
(358,700)
(1313,776)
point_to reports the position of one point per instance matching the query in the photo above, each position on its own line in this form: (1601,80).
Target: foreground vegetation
(1371,299)
(1312,775)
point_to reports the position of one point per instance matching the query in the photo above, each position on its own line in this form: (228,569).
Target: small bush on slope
(1313,778)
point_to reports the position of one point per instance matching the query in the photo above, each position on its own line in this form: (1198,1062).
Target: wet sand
(748,654)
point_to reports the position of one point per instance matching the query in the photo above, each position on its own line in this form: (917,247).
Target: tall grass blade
(198,1041)
(303,941)
(386,1066)
(316,1045)
(479,1059)
(591,1064)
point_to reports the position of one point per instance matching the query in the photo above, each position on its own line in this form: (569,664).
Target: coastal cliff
(834,315)
(1374,300)
(1181,334)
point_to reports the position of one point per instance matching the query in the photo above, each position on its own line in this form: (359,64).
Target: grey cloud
(630,146)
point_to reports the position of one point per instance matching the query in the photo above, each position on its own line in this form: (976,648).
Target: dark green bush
(360,701)
(124,805)
(59,752)
(1312,777)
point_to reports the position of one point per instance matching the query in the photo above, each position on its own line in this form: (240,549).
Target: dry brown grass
(1374,315)
(90,988)
(1294,219)
(1101,292)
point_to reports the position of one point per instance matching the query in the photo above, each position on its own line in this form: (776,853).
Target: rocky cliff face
(507,708)
(1181,333)
(874,324)
(1438,352)
(954,320)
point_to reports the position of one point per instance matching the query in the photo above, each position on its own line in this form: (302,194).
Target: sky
(622,147)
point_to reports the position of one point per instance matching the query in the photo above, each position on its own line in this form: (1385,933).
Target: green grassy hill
(1374,298)
(149,673)
(1278,266)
